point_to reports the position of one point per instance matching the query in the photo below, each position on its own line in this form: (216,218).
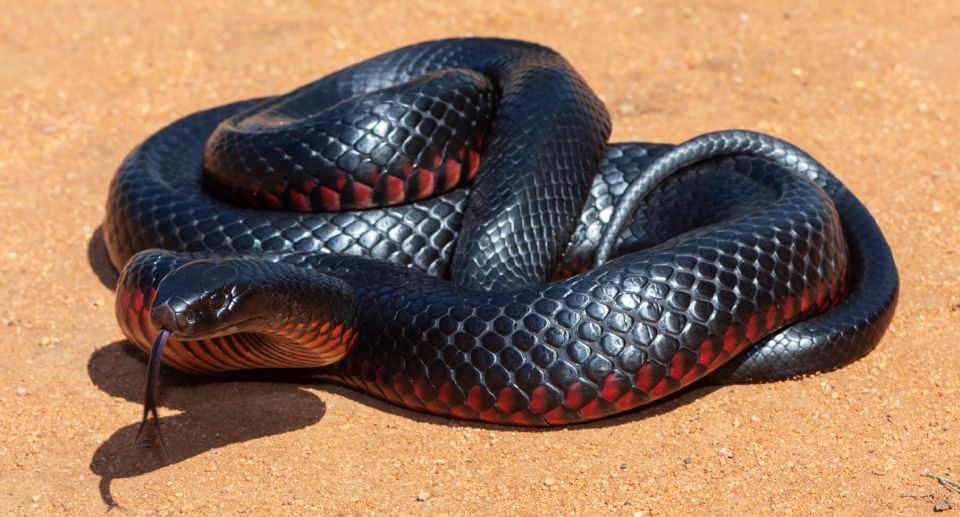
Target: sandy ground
(867,86)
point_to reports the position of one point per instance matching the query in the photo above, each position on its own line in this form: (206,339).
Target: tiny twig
(917,496)
(947,482)
(944,174)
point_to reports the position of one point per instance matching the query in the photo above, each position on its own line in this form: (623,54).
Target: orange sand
(868,87)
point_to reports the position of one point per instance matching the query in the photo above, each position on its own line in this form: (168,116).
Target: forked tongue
(150,390)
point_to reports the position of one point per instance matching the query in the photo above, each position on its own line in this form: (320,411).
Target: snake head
(207,298)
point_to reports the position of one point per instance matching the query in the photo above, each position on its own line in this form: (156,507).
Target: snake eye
(217,299)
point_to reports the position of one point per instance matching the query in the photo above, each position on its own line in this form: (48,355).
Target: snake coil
(500,261)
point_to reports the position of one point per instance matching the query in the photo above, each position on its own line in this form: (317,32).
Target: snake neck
(266,315)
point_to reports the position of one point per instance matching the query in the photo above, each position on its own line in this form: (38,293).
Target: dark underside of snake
(445,227)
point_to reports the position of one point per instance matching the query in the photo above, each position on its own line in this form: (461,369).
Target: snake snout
(164,316)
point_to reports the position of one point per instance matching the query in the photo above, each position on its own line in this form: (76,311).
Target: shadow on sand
(222,409)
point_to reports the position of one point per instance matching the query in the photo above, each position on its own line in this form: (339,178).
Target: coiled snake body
(488,299)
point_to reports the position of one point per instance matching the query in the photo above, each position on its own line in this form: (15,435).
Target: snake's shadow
(223,409)
(99,260)
(216,411)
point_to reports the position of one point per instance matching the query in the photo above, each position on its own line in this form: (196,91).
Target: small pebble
(623,466)
(686,461)
(186,509)
(549,481)
(423,496)
(21,392)
(943,505)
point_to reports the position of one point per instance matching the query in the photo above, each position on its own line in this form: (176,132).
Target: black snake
(734,253)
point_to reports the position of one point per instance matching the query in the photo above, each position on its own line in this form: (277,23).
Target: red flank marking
(575,395)
(330,199)
(425,188)
(510,400)
(388,387)
(593,410)
(137,300)
(558,416)
(525,417)
(730,339)
(464,412)
(632,399)
(436,407)
(452,168)
(361,195)
(474,163)
(384,379)
(413,402)
(721,358)
(710,349)
(681,364)
(613,387)
(447,391)
(402,384)
(788,309)
(340,178)
(660,390)
(695,373)
(423,388)
(538,401)
(299,201)
(453,176)
(805,301)
(475,397)
(821,294)
(645,377)
(494,415)
(394,190)
(753,327)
